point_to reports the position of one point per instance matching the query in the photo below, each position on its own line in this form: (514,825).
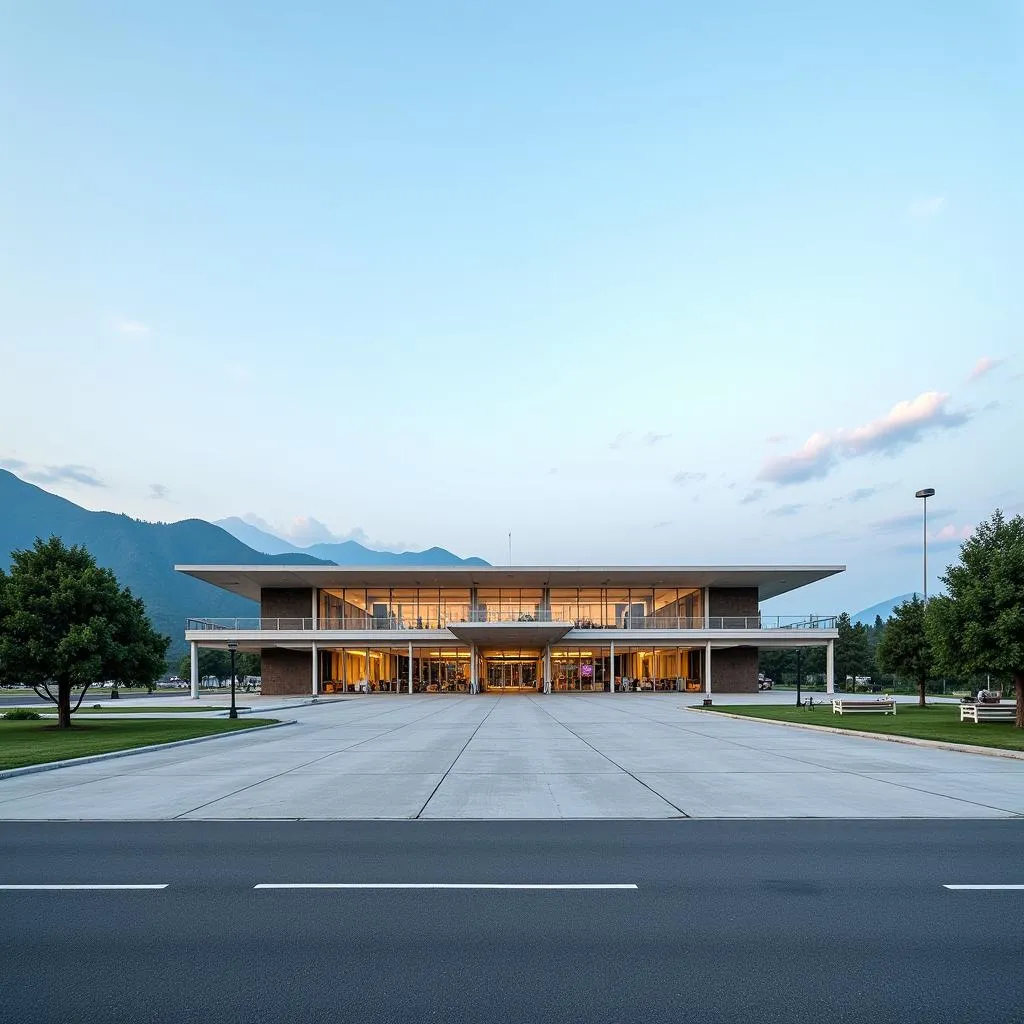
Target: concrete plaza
(599,756)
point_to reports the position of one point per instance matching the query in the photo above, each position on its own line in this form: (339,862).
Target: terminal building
(325,629)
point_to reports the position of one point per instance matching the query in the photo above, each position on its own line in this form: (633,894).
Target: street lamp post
(232,647)
(925,493)
(798,701)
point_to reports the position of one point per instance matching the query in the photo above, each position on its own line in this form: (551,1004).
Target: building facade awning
(510,634)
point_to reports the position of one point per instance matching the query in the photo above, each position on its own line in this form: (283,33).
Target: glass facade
(447,669)
(584,607)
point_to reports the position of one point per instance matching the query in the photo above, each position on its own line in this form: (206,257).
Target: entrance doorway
(506,673)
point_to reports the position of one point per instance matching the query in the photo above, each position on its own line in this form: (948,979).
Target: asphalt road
(730,921)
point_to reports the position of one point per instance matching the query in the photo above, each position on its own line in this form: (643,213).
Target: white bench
(850,707)
(988,713)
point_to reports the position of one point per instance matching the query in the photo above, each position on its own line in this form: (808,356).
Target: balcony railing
(628,622)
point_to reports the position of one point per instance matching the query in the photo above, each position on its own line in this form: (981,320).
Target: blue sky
(425,273)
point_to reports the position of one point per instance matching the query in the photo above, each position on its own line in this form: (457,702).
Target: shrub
(22,715)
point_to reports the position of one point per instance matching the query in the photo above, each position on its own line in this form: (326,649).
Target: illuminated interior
(446,669)
(434,608)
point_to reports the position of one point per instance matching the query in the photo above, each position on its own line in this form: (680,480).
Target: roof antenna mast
(509,547)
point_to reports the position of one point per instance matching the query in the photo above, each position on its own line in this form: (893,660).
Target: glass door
(511,674)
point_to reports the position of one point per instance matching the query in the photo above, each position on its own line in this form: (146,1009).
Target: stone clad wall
(732,601)
(286,672)
(286,603)
(734,670)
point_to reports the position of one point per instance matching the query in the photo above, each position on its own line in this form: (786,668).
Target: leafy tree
(978,625)
(66,623)
(218,663)
(904,648)
(852,653)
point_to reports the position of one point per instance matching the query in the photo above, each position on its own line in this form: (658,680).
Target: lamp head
(927,492)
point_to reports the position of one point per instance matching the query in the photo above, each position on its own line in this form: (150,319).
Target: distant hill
(348,552)
(142,554)
(257,539)
(883,608)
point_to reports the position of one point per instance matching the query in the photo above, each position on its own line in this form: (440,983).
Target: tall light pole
(925,493)
(232,647)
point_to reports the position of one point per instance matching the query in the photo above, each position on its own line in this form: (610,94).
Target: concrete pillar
(344,670)
(707,609)
(316,609)
(547,668)
(473,682)
(830,667)
(611,668)
(194,668)
(410,666)
(707,668)
(316,670)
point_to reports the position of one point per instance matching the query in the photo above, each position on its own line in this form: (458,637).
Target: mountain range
(346,552)
(143,555)
(883,608)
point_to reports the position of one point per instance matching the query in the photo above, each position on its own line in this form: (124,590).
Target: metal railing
(627,622)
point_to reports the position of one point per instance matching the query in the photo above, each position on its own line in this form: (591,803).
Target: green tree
(66,623)
(978,625)
(217,663)
(904,649)
(852,653)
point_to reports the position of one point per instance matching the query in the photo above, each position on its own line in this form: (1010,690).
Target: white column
(344,670)
(410,666)
(472,669)
(194,668)
(707,608)
(707,669)
(547,668)
(611,668)
(316,670)
(316,609)
(830,667)
(679,668)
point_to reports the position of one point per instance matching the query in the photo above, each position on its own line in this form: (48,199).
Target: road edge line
(963,748)
(32,769)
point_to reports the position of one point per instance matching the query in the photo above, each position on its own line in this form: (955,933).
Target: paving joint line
(601,753)
(457,756)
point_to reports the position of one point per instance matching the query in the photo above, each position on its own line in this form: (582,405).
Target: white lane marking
(434,885)
(983,887)
(55,888)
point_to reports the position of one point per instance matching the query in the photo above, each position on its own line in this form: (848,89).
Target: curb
(963,748)
(49,766)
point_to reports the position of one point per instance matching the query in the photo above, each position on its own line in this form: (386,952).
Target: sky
(644,283)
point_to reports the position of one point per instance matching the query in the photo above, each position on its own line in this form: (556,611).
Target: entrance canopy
(510,634)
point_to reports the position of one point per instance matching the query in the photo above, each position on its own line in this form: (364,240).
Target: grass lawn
(23,743)
(136,709)
(935,722)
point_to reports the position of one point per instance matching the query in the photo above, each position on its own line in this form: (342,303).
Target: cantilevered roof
(770,580)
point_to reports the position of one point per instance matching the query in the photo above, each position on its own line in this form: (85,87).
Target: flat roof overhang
(770,580)
(510,634)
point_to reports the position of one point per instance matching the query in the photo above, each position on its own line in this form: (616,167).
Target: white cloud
(905,423)
(785,510)
(950,534)
(67,474)
(133,328)
(684,477)
(986,364)
(650,439)
(926,207)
